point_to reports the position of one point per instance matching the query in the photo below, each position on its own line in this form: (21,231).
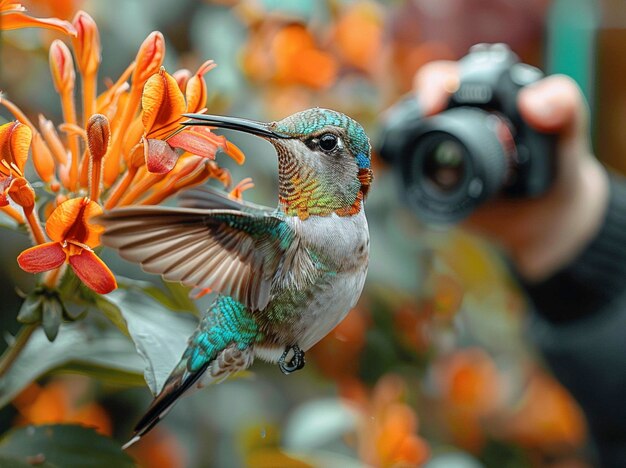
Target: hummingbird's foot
(296,362)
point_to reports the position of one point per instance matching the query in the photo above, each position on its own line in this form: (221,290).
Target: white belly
(346,241)
(330,308)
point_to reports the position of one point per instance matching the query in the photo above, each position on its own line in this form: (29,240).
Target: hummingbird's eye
(328,141)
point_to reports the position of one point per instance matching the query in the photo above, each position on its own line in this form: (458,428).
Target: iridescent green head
(323,156)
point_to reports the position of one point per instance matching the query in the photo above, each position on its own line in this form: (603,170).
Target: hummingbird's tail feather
(222,344)
(176,385)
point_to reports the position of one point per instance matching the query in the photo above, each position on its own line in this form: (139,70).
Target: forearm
(596,276)
(579,323)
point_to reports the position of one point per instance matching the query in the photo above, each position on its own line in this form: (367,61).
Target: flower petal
(219,173)
(42,257)
(196,93)
(93,272)
(5,183)
(163,103)
(22,193)
(15,139)
(234,152)
(242,186)
(198,140)
(182,77)
(69,221)
(160,156)
(19,20)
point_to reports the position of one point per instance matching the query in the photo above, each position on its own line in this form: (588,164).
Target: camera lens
(444,166)
(455,161)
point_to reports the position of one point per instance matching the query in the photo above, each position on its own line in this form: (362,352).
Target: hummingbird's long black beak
(234,123)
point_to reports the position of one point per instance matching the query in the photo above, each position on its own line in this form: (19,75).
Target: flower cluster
(123,146)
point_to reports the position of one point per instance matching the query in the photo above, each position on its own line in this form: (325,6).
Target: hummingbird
(284,277)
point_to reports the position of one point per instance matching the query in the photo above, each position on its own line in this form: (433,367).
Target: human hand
(541,234)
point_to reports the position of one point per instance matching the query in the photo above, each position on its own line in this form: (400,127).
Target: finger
(554,105)
(434,83)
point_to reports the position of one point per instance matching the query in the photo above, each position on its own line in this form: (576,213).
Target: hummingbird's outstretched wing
(227,250)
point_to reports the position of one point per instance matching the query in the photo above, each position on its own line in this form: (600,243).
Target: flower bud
(86,43)
(149,57)
(62,67)
(98,135)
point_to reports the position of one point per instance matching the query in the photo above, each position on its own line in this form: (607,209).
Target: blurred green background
(432,367)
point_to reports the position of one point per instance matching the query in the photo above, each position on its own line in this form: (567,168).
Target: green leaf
(113,313)
(75,296)
(15,462)
(110,375)
(73,311)
(160,336)
(64,446)
(78,343)
(173,296)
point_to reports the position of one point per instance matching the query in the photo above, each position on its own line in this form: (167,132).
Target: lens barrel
(455,161)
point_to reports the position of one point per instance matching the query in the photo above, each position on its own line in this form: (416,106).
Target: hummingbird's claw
(296,362)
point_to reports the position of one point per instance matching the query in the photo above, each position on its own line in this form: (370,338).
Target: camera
(478,147)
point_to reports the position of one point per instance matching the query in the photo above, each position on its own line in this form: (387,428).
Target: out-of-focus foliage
(431,366)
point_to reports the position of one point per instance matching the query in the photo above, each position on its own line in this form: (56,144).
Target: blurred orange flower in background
(546,416)
(358,35)
(470,389)
(337,354)
(468,380)
(289,55)
(387,432)
(65,400)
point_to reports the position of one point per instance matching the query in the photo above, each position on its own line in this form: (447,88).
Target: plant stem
(52,277)
(14,349)
(120,188)
(35,226)
(13,213)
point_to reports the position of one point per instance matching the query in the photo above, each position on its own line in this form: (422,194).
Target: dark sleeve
(579,324)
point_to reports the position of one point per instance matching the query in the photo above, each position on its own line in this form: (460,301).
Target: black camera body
(478,147)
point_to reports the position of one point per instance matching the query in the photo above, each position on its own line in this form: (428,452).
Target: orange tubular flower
(388,435)
(147,62)
(115,151)
(13,16)
(87,48)
(72,241)
(15,139)
(163,103)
